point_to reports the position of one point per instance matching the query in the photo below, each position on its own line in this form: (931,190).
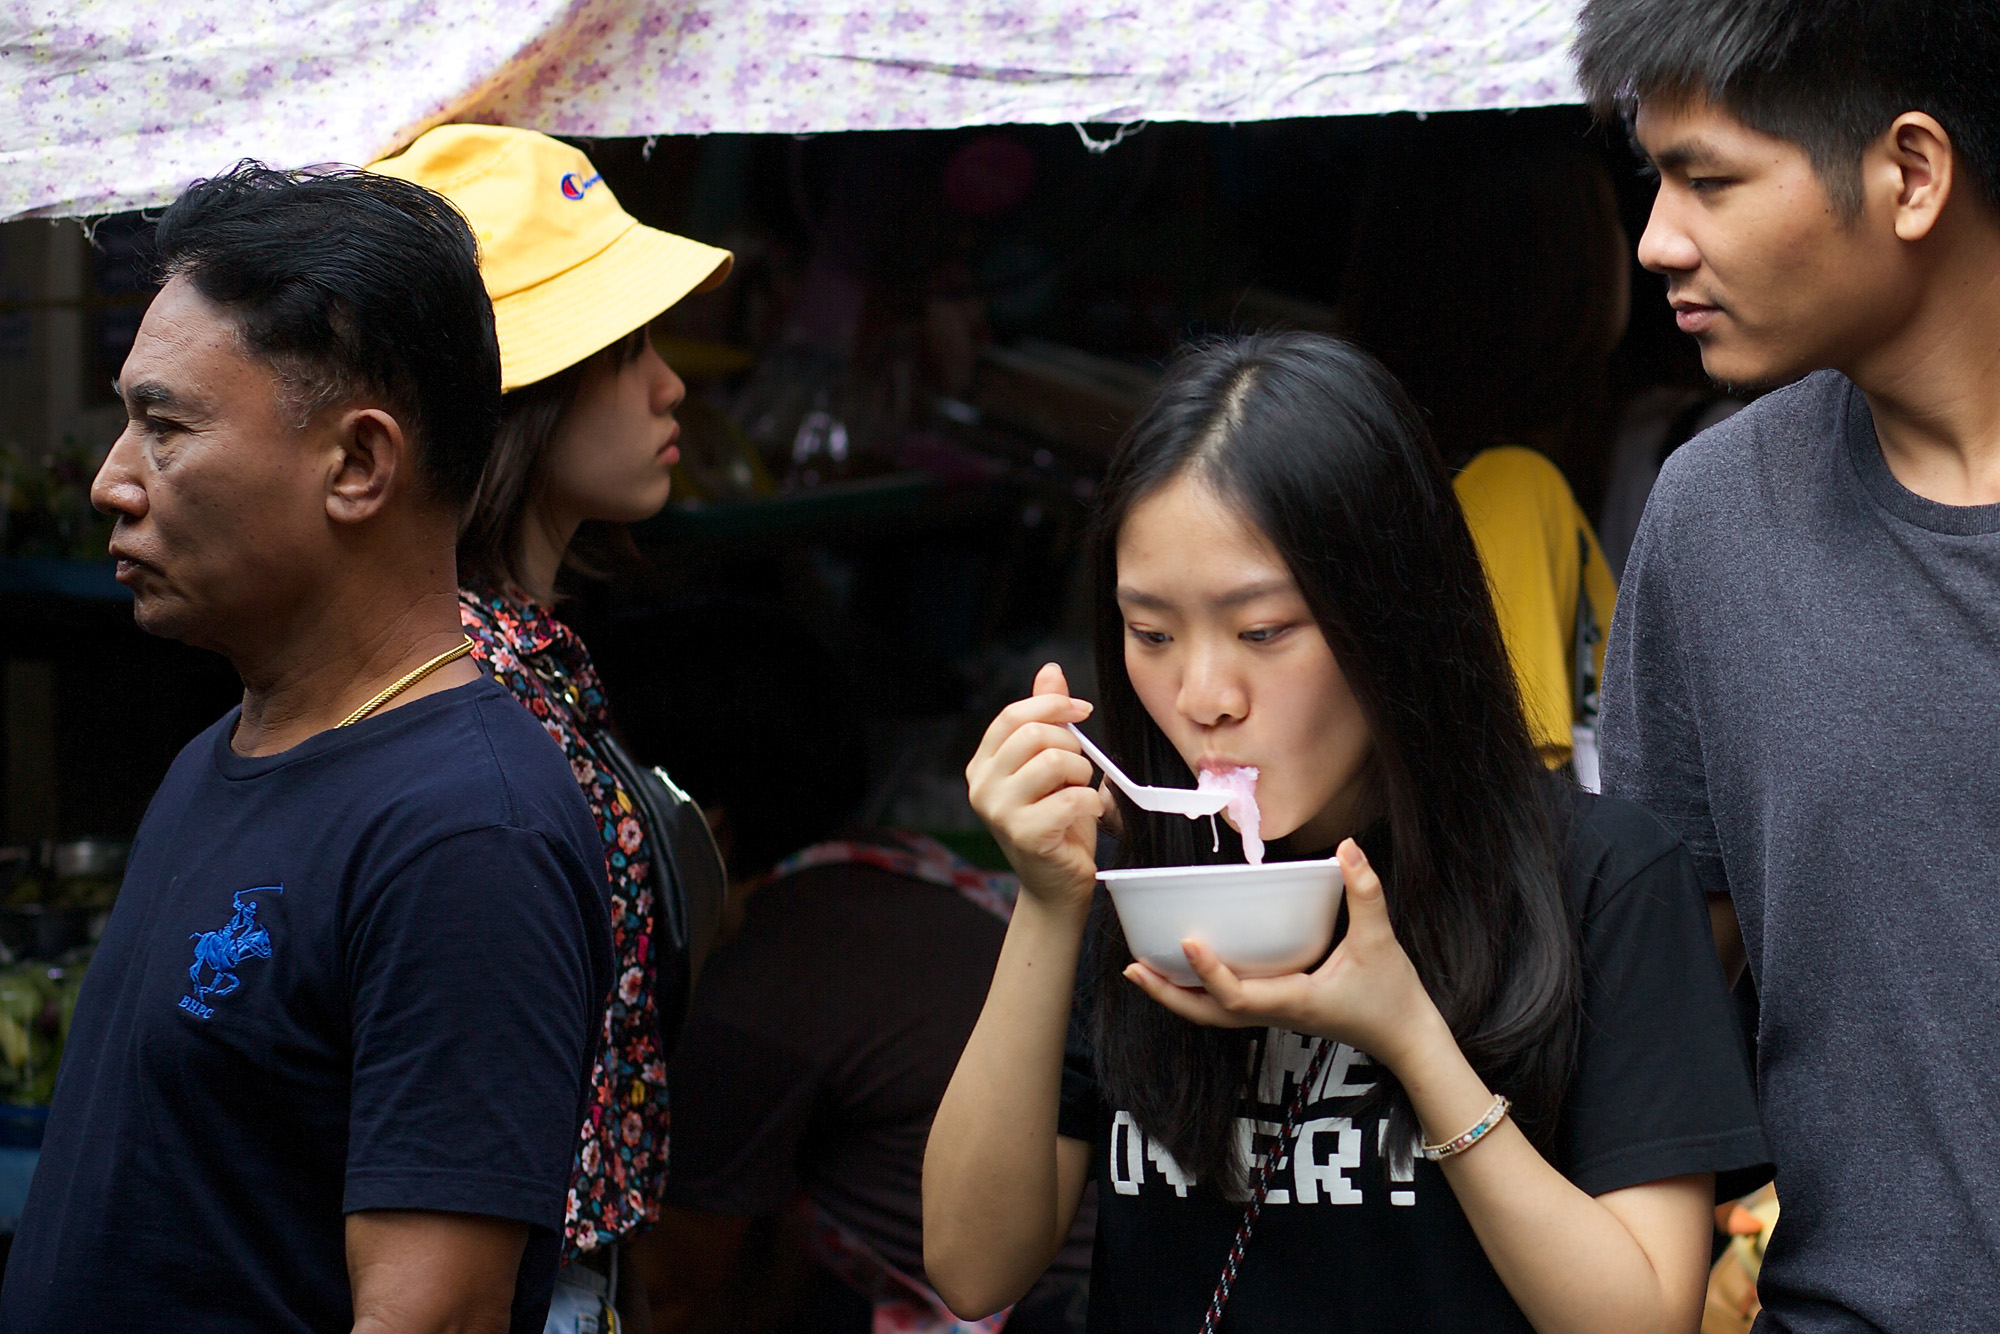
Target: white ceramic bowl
(1260,920)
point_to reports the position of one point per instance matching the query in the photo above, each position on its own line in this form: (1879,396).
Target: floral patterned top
(621,1158)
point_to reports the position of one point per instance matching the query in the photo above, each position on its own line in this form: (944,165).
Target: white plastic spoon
(1166,800)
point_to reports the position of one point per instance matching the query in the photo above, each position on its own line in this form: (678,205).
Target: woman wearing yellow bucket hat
(587,433)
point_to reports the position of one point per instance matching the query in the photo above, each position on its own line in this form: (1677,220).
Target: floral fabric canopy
(108,105)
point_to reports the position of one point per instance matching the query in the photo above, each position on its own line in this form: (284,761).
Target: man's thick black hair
(352,284)
(1827,75)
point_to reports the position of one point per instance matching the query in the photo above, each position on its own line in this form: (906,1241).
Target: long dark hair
(489,536)
(1322,450)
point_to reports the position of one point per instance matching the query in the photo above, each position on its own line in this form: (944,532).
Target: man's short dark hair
(1827,75)
(348,283)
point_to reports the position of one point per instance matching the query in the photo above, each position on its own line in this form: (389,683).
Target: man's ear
(1924,164)
(374,453)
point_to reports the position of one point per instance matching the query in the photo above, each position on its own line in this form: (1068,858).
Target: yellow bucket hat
(568,270)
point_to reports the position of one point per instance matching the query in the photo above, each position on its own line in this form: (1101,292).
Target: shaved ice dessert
(1240,786)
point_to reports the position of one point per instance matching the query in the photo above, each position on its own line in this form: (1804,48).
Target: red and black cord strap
(1267,1171)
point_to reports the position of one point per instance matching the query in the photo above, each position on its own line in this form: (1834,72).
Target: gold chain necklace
(449,655)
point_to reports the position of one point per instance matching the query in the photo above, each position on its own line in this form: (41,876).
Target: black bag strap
(691,885)
(1583,697)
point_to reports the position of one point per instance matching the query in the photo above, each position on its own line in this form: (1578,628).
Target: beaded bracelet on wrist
(1437,1153)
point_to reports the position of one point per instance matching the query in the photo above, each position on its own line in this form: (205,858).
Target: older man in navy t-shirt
(329,1064)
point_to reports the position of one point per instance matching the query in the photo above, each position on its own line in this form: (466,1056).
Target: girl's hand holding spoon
(1031,784)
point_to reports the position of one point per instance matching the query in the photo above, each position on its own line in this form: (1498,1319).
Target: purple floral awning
(115,104)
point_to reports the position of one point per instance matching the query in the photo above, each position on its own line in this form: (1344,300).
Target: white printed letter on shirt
(1128,1155)
(1334,1082)
(1401,1167)
(1170,1171)
(1130,1150)
(1311,1173)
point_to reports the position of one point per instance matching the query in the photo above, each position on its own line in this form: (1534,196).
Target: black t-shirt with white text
(1348,1240)
(366,973)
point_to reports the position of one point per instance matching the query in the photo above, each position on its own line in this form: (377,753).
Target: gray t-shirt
(1801,654)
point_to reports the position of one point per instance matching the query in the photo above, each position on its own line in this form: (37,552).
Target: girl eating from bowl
(1502,1101)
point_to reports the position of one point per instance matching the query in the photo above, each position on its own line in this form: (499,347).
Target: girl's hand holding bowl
(1367,994)
(1031,784)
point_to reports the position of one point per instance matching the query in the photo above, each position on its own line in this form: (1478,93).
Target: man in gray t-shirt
(1808,631)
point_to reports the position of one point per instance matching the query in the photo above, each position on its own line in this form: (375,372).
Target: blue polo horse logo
(218,954)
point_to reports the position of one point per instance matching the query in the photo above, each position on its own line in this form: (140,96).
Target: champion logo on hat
(574,185)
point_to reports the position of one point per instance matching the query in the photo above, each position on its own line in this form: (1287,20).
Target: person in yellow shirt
(1553,590)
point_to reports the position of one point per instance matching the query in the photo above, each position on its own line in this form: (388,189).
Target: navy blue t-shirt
(366,973)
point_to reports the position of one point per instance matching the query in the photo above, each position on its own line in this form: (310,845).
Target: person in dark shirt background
(824,1031)
(329,1062)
